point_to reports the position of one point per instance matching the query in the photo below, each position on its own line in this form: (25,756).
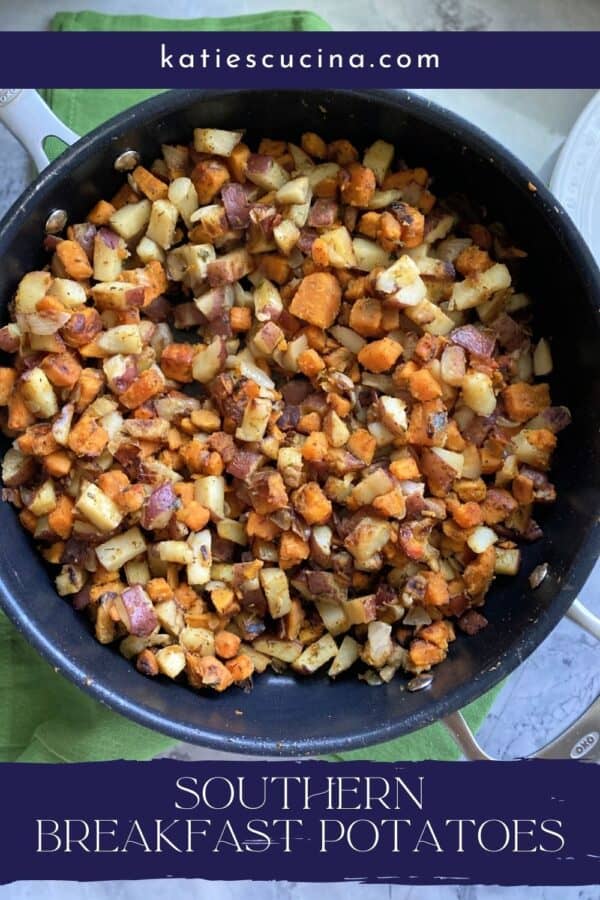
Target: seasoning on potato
(280,409)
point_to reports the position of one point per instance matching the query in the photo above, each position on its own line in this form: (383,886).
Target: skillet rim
(511,169)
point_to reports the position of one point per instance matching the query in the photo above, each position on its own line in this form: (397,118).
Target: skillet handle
(581,740)
(31,121)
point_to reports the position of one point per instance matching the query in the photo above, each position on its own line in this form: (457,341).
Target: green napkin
(44,717)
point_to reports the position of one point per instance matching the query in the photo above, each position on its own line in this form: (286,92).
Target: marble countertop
(562,677)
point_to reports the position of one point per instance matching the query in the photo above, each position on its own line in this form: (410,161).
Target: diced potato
(286,235)
(175,552)
(98,508)
(275,585)
(346,656)
(451,458)
(216,141)
(170,617)
(183,196)
(430,317)
(402,283)
(198,571)
(542,358)
(478,393)
(266,173)
(369,255)
(121,339)
(321,172)
(255,420)
(137,571)
(32,287)
(149,251)
(286,651)
(477,288)
(378,157)
(297,190)
(379,644)
(441,228)
(162,224)
(393,414)
(70,293)
(338,247)
(373,485)
(316,655)
(267,301)
(38,394)
(198,640)
(117,295)
(260,660)
(44,500)
(508,561)
(333,615)
(481,538)
(298,213)
(232,530)
(210,492)
(208,361)
(171,660)
(108,258)
(382,199)
(190,263)
(118,550)
(131,219)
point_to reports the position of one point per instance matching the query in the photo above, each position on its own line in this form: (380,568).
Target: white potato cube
(38,394)
(478,393)
(216,141)
(175,552)
(131,219)
(345,657)
(98,508)
(378,157)
(210,492)
(182,194)
(118,550)
(295,191)
(70,293)
(316,655)
(451,458)
(162,224)
(286,235)
(339,247)
(44,500)
(149,251)
(198,571)
(32,287)
(274,583)
(369,255)
(402,282)
(121,339)
(171,660)
(477,288)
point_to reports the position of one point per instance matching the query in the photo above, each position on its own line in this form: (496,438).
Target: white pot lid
(576,176)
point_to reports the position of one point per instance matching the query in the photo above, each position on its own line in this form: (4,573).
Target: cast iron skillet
(286,715)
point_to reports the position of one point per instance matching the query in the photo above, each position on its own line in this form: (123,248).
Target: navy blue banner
(310,59)
(528,822)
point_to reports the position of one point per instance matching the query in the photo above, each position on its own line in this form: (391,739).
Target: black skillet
(286,715)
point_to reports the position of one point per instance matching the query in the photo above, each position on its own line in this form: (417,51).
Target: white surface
(576,177)
(562,677)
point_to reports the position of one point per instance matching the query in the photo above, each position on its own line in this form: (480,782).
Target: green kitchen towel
(44,718)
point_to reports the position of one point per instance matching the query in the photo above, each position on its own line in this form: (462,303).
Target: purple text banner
(527,822)
(294,59)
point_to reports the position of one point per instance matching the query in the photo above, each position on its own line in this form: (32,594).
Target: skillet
(285,715)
